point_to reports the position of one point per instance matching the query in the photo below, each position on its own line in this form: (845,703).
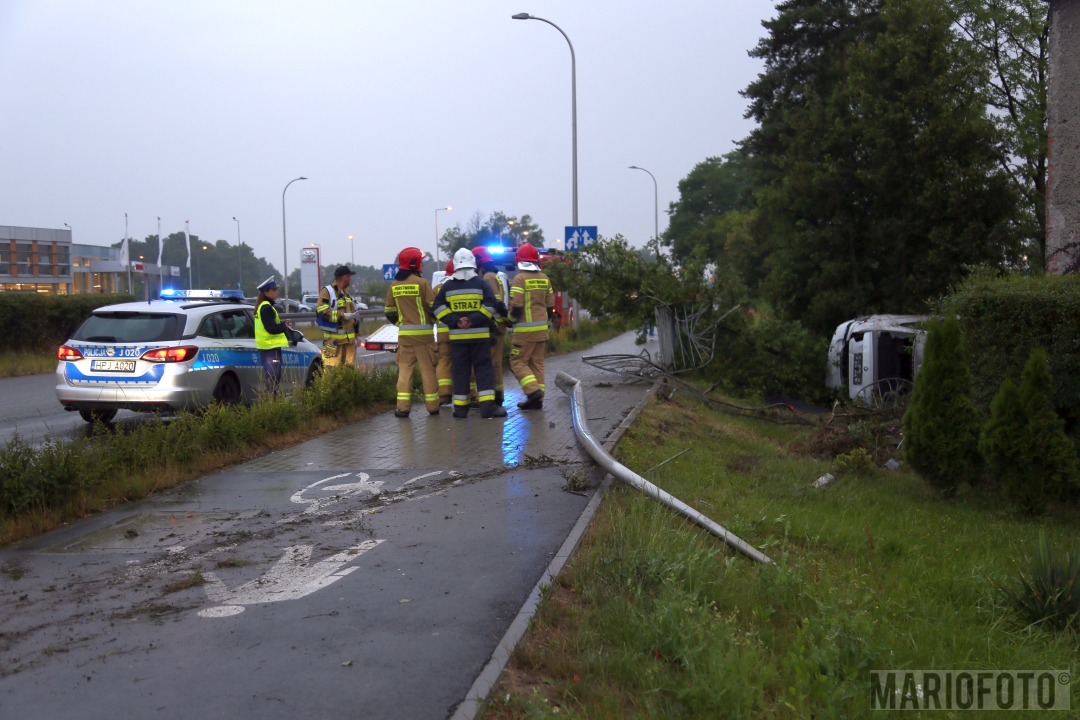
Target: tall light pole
(240,258)
(198,265)
(656,201)
(437,231)
(573,95)
(352,251)
(284,240)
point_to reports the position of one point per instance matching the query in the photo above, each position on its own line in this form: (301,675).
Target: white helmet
(464,258)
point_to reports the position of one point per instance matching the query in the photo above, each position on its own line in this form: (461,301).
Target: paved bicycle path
(369,572)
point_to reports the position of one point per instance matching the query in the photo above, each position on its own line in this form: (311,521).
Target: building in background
(35,260)
(96,269)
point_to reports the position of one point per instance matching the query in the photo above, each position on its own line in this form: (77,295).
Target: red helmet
(527,253)
(482,255)
(410,259)
(449,267)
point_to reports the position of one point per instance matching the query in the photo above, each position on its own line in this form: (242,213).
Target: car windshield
(129,327)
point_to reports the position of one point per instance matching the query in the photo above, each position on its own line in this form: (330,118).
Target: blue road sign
(578,236)
(389,271)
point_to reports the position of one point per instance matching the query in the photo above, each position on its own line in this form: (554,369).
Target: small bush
(941,430)
(1002,446)
(857,462)
(1049,592)
(1049,456)
(34,322)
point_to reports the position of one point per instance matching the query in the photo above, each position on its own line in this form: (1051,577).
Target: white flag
(124,244)
(187,243)
(160,242)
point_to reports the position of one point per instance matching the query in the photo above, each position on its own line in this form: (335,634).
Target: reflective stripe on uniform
(404,396)
(528,379)
(461,400)
(431,397)
(485,397)
(414,330)
(469,334)
(530,326)
(446,382)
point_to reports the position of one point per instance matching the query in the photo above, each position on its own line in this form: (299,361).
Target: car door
(238,333)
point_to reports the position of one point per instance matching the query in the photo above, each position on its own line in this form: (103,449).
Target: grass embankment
(27,362)
(66,478)
(587,334)
(656,618)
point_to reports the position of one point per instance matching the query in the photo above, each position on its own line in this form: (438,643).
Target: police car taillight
(66,352)
(172,354)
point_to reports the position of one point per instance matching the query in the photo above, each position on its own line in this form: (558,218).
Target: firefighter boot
(490,410)
(461,411)
(401,413)
(533,401)
(499,397)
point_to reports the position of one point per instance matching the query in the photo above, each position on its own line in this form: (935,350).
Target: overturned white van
(876,356)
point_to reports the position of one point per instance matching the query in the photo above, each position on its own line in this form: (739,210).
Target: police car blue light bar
(174,294)
(496,249)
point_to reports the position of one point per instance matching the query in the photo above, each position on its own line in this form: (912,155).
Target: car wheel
(93,416)
(227,391)
(312,373)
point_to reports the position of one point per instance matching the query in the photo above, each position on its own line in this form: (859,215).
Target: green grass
(14,363)
(656,618)
(315,334)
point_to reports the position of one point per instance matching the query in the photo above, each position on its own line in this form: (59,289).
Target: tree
(1002,446)
(941,429)
(715,186)
(1013,40)
(495,229)
(877,169)
(1049,457)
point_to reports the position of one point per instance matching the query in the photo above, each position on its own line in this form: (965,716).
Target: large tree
(495,229)
(877,164)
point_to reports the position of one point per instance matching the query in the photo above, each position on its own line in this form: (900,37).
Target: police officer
(532,304)
(442,369)
(270,335)
(336,313)
(467,305)
(408,305)
(487,270)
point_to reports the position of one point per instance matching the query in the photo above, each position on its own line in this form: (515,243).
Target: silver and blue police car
(178,353)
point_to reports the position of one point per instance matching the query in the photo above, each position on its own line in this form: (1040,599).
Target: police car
(178,353)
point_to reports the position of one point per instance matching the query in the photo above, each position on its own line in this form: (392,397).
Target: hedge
(31,321)
(1005,318)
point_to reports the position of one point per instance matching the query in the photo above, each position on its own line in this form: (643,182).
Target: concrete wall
(1063,176)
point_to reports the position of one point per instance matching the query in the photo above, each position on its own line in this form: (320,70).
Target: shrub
(33,322)
(1002,446)
(1049,457)
(857,462)
(941,429)
(1049,592)
(1005,318)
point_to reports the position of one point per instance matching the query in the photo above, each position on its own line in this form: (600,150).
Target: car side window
(210,327)
(238,324)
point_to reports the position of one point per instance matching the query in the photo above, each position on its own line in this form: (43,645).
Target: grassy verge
(61,479)
(587,334)
(27,362)
(655,618)
(315,334)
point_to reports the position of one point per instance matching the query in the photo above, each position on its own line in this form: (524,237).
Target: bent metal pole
(572,387)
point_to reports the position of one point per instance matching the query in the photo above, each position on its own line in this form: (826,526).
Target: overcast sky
(204,110)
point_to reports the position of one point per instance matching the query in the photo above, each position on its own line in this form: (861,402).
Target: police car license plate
(112,365)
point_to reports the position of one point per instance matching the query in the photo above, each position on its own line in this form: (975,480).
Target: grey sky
(204,110)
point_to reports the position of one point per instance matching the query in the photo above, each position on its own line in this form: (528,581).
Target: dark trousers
(271,362)
(467,358)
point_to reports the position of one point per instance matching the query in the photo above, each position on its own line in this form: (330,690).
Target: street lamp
(284,240)
(352,251)
(69,228)
(239,257)
(198,265)
(573,96)
(437,210)
(656,201)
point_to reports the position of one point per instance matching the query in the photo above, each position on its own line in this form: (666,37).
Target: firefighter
(408,305)
(467,306)
(487,270)
(270,332)
(442,370)
(532,305)
(336,315)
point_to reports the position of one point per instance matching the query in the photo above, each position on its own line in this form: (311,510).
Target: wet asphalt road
(29,406)
(414,595)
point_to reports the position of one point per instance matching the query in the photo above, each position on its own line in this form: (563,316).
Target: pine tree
(941,429)
(1002,446)
(1049,457)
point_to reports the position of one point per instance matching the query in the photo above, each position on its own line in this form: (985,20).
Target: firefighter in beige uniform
(408,305)
(532,303)
(487,270)
(442,369)
(336,316)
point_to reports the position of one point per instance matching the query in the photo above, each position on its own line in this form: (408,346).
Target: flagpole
(127,253)
(187,241)
(160,247)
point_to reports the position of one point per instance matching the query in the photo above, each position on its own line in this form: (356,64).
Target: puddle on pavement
(151,531)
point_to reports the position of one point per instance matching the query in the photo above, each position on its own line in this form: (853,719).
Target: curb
(489,676)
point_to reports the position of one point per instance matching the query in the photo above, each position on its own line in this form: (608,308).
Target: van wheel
(227,391)
(93,416)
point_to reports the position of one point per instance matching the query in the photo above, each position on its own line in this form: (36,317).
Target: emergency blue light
(496,249)
(173,294)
